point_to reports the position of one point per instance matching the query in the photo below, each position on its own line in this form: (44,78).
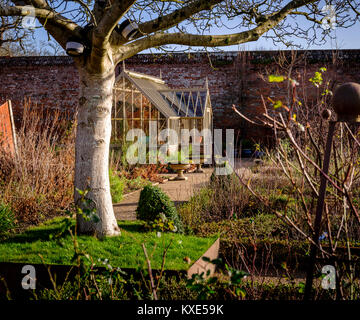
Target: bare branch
(307,16)
(87,9)
(58,26)
(20,11)
(174,18)
(356,11)
(111,18)
(244,117)
(265,24)
(101,49)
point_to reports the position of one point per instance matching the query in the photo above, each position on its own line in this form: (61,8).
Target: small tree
(300,129)
(106,47)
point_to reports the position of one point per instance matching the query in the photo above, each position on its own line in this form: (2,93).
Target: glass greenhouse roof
(187,103)
(182,102)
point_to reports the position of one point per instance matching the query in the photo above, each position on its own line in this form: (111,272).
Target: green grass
(123,251)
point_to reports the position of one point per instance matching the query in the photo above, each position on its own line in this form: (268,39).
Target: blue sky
(344,39)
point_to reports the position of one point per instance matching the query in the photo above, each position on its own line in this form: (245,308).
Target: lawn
(123,251)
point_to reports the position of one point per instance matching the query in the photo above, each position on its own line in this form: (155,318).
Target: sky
(344,39)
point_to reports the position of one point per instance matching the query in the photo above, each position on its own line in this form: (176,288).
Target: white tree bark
(92,150)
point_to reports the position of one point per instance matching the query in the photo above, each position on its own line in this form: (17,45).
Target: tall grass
(224,198)
(38,182)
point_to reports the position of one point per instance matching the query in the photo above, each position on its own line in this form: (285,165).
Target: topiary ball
(153,201)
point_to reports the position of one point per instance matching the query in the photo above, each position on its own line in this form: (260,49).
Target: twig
(352,205)
(278,214)
(244,117)
(352,135)
(163,264)
(150,272)
(53,282)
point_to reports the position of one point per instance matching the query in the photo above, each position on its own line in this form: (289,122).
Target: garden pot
(179,168)
(199,169)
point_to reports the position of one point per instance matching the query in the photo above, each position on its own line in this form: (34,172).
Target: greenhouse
(140,98)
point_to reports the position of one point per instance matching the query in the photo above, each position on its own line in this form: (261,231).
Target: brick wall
(233,77)
(48,81)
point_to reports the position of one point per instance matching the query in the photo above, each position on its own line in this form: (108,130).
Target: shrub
(7,218)
(268,253)
(118,155)
(225,182)
(225,198)
(38,183)
(193,212)
(260,227)
(153,201)
(136,184)
(229,198)
(116,187)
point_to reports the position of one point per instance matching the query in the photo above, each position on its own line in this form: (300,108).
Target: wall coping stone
(192,58)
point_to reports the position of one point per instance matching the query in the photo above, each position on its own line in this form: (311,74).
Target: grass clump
(226,199)
(7,219)
(153,203)
(116,187)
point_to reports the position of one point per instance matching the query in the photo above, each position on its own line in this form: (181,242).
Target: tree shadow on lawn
(43,233)
(130,226)
(54,230)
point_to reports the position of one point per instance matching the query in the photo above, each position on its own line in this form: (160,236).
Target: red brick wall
(48,81)
(233,78)
(238,78)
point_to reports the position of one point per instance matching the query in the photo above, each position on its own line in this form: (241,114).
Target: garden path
(178,191)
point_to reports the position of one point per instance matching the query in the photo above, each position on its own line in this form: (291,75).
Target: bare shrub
(300,124)
(38,181)
(225,204)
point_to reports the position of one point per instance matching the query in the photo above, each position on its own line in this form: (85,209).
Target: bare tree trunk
(92,150)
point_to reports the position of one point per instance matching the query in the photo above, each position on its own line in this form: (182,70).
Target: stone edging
(200,265)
